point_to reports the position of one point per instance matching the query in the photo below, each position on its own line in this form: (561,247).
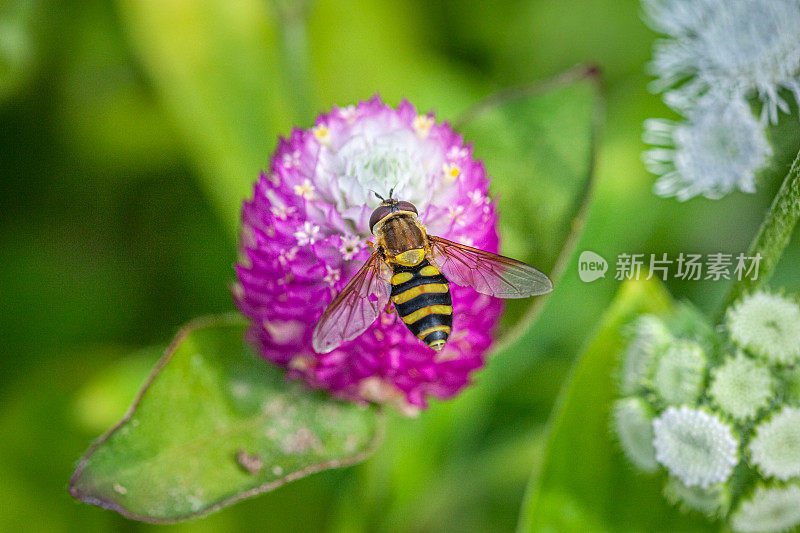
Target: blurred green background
(130,133)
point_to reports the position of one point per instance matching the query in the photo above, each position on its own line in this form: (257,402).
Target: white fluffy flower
(737,49)
(767,325)
(776,446)
(719,148)
(768,509)
(695,446)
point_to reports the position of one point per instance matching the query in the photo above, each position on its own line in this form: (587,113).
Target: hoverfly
(414,270)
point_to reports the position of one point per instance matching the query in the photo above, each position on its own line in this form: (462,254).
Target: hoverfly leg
(389,308)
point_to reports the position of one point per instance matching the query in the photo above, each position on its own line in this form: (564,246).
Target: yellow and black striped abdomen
(421,296)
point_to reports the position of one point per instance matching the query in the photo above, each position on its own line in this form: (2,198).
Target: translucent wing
(355,308)
(486,272)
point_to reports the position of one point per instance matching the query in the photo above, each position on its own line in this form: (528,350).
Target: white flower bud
(776,447)
(695,446)
(768,326)
(650,338)
(680,373)
(633,423)
(713,501)
(741,387)
(769,508)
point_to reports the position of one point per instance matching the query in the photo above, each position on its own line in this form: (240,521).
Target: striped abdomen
(421,296)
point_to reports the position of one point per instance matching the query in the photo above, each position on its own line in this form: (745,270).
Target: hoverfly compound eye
(406,206)
(379,214)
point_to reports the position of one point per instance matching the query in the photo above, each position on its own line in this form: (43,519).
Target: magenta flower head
(305,233)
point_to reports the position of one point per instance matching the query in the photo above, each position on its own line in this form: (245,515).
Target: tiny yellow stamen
(425,311)
(322,133)
(413,292)
(451,172)
(302,362)
(306,190)
(429,270)
(422,125)
(402,277)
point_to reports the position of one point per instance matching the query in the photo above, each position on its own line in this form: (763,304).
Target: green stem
(774,234)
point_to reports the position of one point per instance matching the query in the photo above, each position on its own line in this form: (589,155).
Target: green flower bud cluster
(718,409)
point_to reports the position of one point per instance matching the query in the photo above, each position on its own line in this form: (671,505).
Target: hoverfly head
(389,206)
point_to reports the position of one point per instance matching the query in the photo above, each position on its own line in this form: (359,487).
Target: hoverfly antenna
(381,198)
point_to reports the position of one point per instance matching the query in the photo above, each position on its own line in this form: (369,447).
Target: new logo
(591,266)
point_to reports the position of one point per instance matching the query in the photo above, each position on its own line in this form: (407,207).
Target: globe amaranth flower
(305,232)
(738,50)
(719,148)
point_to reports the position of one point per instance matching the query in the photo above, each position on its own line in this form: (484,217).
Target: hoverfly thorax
(400,234)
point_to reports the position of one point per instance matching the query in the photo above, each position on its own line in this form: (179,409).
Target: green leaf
(216,68)
(584,483)
(539,145)
(215,424)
